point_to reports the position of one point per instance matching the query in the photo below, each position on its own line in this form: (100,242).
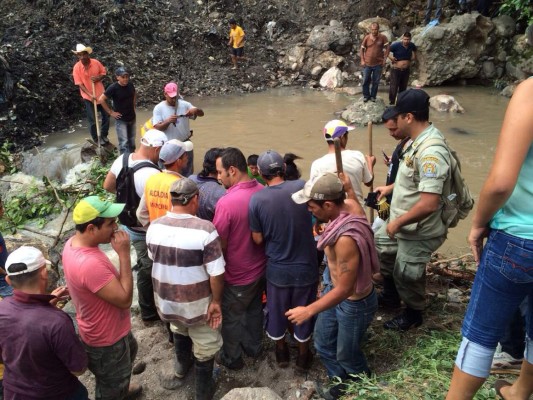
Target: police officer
(415,228)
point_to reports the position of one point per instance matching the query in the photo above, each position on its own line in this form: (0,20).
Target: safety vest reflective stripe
(157,194)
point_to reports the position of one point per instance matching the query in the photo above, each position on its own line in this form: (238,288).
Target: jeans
(242,312)
(339,332)
(111,366)
(513,340)
(371,74)
(399,78)
(429,8)
(145,287)
(80,393)
(104,128)
(503,280)
(125,135)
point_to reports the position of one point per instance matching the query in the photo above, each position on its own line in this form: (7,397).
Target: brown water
(291,120)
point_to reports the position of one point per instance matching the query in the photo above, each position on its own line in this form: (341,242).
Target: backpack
(458,201)
(126,192)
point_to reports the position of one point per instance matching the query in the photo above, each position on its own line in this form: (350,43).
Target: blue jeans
(503,280)
(125,135)
(371,74)
(429,8)
(339,332)
(104,128)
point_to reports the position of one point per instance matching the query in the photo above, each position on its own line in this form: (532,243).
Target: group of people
(209,246)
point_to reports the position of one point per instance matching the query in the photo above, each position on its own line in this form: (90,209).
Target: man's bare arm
(110,182)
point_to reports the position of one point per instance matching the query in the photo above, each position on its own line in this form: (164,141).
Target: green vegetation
(47,198)
(520,10)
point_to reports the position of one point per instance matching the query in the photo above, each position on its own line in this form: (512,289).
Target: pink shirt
(83,75)
(245,261)
(87,270)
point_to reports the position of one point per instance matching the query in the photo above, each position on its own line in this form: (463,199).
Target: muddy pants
(405,261)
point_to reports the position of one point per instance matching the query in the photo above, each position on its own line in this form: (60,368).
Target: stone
(332,78)
(445,103)
(361,113)
(262,393)
(294,58)
(454,295)
(508,91)
(505,25)
(488,70)
(316,71)
(334,38)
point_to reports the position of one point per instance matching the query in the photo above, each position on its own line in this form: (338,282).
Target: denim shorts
(503,280)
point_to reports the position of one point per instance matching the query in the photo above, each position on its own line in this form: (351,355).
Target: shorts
(237,52)
(279,301)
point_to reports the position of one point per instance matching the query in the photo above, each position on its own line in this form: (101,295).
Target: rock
(505,26)
(454,295)
(488,70)
(508,91)
(334,38)
(361,113)
(445,103)
(451,51)
(332,78)
(514,71)
(294,58)
(316,71)
(262,393)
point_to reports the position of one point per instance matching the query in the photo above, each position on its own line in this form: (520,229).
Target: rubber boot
(183,348)
(204,382)
(389,297)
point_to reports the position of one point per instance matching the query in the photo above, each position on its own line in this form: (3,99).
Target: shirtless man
(351,287)
(402,54)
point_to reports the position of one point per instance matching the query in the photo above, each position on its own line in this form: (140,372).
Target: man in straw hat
(88,74)
(102,296)
(38,343)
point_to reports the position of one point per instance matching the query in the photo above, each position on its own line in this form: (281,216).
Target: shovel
(95,104)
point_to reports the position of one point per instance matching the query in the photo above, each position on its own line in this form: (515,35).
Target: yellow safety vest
(157,194)
(146,127)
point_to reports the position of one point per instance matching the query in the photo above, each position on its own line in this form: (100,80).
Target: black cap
(232,21)
(409,101)
(120,71)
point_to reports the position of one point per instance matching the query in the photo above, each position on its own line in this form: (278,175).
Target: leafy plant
(7,159)
(518,9)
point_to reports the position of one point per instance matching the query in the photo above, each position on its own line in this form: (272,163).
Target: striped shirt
(186,251)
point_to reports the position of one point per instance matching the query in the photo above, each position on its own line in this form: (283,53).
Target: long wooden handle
(97,121)
(370,152)
(338,155)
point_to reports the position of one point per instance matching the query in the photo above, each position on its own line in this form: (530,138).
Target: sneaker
(366,99)
(503,360)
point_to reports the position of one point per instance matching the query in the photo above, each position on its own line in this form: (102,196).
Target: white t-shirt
(141,175)
(354,165)
(163,110)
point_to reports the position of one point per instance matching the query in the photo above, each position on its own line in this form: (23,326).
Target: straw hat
(81,48)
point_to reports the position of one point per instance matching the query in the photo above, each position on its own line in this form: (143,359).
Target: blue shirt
(402,53)
(516,215)
(287,232)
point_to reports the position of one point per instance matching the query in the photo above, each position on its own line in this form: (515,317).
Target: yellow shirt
(237,36)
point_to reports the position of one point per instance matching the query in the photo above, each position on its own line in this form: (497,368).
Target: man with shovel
(88,74)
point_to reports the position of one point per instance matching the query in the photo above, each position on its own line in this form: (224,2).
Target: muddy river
(291,120)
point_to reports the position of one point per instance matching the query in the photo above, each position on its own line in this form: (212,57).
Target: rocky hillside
(159,41)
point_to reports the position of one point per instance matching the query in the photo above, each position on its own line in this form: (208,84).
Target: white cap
(30,256)
(154,138)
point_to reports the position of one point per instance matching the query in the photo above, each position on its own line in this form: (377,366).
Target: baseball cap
(410,100)
(270,163)
(171,89)
(183,189)
(325,187)
(154,138)
(120,71)
(335,129)
(174,149)
(232,21)
(30,256)
(92,207)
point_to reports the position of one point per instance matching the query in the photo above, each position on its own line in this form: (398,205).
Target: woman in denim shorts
(505,273)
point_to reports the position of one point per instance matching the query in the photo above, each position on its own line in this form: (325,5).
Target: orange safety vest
(157,194)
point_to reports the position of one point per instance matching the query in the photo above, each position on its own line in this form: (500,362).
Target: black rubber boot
(183,348)
(408,319)
(204,382)
(389,297)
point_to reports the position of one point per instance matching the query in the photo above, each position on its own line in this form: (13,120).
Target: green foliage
(424,371)
(48,198)
(518,9)
(7,159)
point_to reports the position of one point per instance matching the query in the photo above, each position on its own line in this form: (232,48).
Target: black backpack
(126,192)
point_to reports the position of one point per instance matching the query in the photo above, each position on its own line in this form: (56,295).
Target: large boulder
(452,51)
(361,113)
(332,37)
(332,78)
(505,25)
(384,27)
(294,58)
(445,103)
